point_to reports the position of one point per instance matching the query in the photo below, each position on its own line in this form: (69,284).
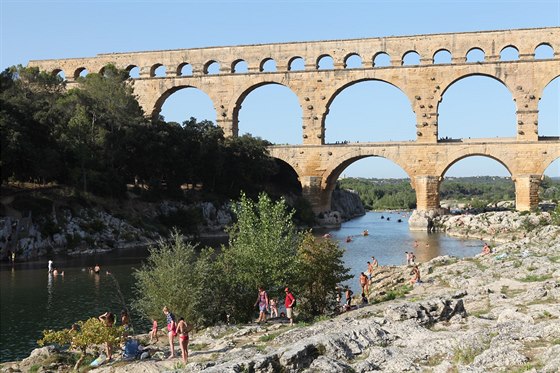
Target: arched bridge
(216,72)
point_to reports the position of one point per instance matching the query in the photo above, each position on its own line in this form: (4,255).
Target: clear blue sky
(74,28)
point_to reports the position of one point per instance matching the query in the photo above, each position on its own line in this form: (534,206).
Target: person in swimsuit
(171,330)
(183,332)
(262,301)
(108,319)
(273,307)
(97,269)
(153,332)
(125,321)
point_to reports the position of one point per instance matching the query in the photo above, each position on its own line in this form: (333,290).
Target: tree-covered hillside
(378,194)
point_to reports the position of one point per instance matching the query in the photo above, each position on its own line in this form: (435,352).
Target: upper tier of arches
(510,45)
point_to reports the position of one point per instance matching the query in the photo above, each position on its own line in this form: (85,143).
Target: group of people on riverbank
(266,304)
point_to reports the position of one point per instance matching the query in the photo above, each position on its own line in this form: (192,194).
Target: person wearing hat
(289,303)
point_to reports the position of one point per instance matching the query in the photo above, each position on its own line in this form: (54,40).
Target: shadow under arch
(286,180)
(241,96)
(161,100)
(346,85)
(492,78)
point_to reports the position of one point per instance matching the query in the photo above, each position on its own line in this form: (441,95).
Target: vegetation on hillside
(265,249)
(379,194)
(96,139)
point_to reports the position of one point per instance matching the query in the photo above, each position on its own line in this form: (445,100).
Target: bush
(88,334)
(178,277)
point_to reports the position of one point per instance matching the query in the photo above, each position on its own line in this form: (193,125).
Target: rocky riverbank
(492,313)
(65,224)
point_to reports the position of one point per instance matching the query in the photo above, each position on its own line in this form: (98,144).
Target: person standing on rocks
(289,303)
(171,330)
(108,319)
(262,302)
(364,283)
(183,331)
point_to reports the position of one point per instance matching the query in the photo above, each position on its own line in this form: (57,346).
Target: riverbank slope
(492,313)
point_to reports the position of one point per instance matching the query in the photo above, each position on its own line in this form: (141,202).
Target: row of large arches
(325,61)
(475,106)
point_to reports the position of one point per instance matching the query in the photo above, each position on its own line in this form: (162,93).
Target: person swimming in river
(365,232)
(97,269)
(348,239)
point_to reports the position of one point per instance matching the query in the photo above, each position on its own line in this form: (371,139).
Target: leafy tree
(262,251)
(178,277)
(27,120)
(88,334)
(321,269)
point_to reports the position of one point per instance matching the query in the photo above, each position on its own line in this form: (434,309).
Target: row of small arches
(324,62)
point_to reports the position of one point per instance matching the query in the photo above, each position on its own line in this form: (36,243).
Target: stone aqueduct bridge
(317,164)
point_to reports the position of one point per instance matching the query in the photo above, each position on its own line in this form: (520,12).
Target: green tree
(29,149)
(262,252)
(177,276)
(320,269)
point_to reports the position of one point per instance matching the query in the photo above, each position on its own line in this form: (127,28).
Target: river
(31,300)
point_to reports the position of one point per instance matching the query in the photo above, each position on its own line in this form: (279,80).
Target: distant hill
(477,191)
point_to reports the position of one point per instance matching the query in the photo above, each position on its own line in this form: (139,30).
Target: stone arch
(353,61)
(324,59)
(267,65)
(465,153)
(133,71)
(59,72)
(296,60)
(509,53)
(156,69)
(471,56)
(80,72)
(211,67)
(288,175)
(166,94)
(181,69)
(544,51)
(548,161)
(410,58)
(442,56)
(338,165)
(547,96)
(381,59)
(239,66)
(340,89)
(246,91)
(447,85)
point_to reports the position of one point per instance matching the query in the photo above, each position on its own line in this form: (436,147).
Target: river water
(31,300)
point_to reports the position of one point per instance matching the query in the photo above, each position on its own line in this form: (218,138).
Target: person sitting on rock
(415,279)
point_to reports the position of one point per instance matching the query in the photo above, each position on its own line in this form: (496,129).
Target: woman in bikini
(171,330)
(183,332)
(108,319)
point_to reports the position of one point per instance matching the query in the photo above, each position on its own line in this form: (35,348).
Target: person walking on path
(183,333)
(171,330)
(108,319)
(262,302)
(289,303)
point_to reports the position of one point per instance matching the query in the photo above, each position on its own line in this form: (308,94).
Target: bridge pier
(527,192)
(312,191)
